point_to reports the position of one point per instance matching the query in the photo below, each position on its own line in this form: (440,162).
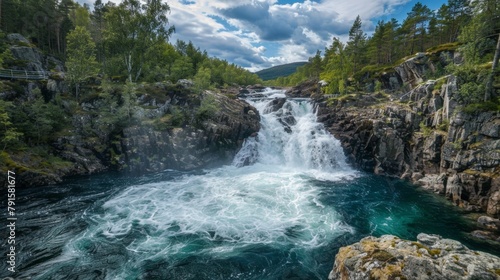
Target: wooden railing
(22,74)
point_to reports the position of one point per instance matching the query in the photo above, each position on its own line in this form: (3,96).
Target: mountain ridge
(279,70)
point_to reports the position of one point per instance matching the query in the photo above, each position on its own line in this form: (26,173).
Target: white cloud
(247,32)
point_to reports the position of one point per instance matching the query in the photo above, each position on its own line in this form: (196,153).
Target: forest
(114,53)
(128,41)
(110,55)
(470,27)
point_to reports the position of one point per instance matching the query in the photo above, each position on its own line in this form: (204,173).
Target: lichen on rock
(430,257)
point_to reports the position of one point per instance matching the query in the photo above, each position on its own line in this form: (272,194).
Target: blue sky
(258,34)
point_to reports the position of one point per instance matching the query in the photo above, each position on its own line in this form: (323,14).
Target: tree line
(126,41)
(112,54)
(472,27)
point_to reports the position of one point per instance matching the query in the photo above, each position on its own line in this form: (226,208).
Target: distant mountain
(279,71)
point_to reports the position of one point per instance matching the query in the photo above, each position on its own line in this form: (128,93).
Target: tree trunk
(77,89)
(490,90)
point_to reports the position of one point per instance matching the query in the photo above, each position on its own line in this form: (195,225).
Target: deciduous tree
(81,61)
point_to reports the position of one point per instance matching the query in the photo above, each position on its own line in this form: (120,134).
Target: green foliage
(129,100)
(116,106)
(476,108)
(208,108)
(378,86)
(8,132)
(177,116)
(443,47)
(444,125)
(182,68)
(427,131)
(202,79)
(356,45)
(133,30)
(81,61)
(337,68)
(471,80)
(478,36)
(80,17)
(5,57)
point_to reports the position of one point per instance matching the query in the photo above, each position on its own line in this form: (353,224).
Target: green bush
(480,107)
(208,108)
(425,129)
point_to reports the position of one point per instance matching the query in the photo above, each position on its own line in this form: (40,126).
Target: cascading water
(291,137)
(280,211)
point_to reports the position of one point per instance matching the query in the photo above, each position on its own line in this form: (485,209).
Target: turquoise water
(111,227)
(280,211)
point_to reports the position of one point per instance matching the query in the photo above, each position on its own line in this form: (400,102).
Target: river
(280,211)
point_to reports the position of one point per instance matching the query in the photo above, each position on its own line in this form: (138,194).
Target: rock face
(423,136)
(32,58)
(430,257)
(145,147)
(310,88)
(165,125)
(214,141)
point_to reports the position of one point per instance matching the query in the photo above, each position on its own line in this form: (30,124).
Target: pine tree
(356,45)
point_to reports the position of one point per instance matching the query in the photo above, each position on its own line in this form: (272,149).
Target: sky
(258,34)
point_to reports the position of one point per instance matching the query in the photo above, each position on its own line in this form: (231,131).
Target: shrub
(208,107)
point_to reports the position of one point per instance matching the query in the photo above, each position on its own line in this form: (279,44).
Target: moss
(443,47)
(425,129)
(382,256)
(444,125)
(434,252)
(9,164)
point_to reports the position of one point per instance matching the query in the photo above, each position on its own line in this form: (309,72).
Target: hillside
(279,71)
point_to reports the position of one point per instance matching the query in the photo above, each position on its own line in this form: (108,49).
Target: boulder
(17,39)
(430,257)
(309,88)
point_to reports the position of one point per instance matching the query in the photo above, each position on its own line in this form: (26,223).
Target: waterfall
(290,136)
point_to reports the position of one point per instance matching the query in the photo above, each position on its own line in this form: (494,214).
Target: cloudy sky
(258,34)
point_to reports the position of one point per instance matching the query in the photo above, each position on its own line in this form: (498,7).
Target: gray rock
(489,223)
(16,38)
(185,83)
(432,257)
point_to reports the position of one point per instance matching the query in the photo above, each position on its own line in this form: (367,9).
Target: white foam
(273,201)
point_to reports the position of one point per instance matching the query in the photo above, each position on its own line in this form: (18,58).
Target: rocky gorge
(420,133)
(418,130)
(162,125)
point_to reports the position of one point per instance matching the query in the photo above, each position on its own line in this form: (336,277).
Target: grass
(444,125)
(425,129)
(443,47)
(432,252)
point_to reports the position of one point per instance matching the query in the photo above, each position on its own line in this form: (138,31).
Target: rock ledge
(430,257)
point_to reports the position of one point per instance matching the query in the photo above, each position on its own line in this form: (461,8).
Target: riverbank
(417,130)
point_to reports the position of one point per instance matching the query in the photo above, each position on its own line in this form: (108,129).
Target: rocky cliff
(430,257)
(152,144)
(422,135)
(131,128)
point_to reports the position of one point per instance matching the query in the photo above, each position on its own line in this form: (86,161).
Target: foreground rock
(430,257)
